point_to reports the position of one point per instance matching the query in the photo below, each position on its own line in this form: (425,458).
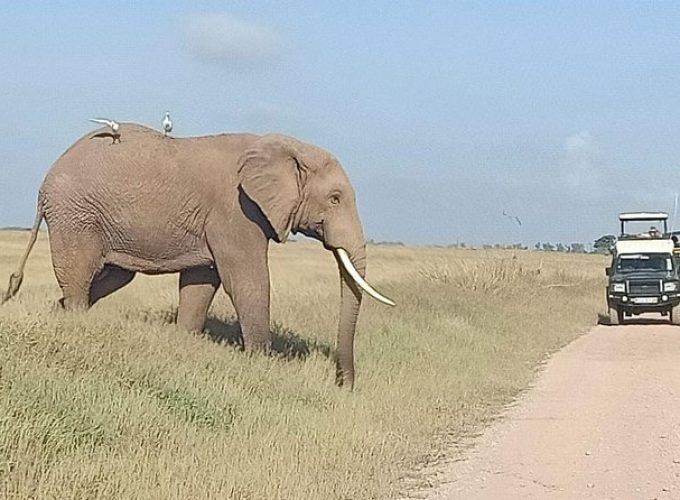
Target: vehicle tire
(616,316)
(675,315)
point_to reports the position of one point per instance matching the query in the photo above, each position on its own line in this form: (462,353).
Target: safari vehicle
(643,276)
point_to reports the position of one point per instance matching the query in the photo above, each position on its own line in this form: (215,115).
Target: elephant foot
(70,305)
(263,346)
(191,325)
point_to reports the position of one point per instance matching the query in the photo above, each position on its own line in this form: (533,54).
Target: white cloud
(579,143)
(580,167)
(224,38)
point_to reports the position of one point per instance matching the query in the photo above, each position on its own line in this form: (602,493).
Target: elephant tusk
(349,267)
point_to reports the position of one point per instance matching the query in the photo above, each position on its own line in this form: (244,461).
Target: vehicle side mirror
(608,271)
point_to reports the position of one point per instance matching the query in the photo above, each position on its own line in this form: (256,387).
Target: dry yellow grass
(117,403)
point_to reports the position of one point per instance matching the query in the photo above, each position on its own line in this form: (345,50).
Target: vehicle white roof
(643,216)
(644,246)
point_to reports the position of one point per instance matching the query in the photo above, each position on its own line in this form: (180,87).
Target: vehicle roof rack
(631,216)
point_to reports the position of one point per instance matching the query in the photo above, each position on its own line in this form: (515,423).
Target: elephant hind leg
(108,280)
(77,258)
(197,287)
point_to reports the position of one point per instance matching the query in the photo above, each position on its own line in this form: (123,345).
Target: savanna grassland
(118,403)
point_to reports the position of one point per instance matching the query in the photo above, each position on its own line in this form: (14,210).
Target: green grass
(118,403)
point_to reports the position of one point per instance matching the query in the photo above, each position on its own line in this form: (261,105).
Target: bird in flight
(113,125)
(512,217)
(167,124)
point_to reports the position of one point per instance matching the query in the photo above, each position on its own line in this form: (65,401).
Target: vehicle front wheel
(675,315)
(616,315)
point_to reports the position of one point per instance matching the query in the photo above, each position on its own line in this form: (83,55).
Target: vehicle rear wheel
(675,315)
(616,315)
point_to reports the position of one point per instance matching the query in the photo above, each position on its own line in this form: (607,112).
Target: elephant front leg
(244,270)
(197,287)
(250,294)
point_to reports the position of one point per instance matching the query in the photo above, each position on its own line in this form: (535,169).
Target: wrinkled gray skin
(205,207)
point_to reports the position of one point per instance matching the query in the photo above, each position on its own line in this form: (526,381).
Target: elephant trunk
(350,302)
(346,240)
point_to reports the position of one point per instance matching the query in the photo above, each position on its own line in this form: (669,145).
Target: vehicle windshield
(644,262)
(635,229)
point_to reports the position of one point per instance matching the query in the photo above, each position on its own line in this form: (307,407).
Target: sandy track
(602,421)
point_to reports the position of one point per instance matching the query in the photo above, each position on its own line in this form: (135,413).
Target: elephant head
(302,188)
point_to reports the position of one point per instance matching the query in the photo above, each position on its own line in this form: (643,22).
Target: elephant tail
(17,277)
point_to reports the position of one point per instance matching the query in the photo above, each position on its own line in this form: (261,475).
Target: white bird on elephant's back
(167,124)
(112,124)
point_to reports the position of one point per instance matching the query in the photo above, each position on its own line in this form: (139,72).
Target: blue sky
(444,114)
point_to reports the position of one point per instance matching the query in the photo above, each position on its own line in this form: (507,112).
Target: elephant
(206,208)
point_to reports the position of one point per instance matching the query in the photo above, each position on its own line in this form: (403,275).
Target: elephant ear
(270,174)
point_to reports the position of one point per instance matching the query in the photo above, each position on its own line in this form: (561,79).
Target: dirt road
(602,421)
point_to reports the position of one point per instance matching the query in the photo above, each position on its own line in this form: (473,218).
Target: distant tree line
(540,246)
(390,243)
(561,247)
(543,247)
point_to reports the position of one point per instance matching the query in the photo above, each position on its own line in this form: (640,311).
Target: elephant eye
(335,199)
